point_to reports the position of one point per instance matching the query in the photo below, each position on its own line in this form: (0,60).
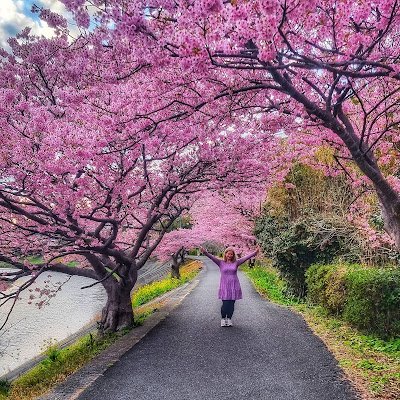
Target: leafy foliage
(373,300)
(373,361)
(367,298)
(154,289)
(304,222)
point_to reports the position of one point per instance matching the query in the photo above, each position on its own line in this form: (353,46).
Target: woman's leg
(227,308)
(224,309)
(231,308)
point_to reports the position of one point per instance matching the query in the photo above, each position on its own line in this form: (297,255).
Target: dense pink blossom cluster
(225,219)
(108,137)
(77,105)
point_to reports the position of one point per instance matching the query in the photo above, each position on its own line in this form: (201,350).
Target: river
(31,329)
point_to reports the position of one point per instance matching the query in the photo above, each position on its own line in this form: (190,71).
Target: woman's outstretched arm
(245,258)
(210,256)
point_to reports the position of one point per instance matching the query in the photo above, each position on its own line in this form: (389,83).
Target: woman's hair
(229,249)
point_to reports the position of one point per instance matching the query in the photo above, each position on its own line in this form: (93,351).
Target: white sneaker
(223,322)
(229,322)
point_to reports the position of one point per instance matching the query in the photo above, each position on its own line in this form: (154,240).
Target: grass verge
(60,363)
(371,363)
(154,289)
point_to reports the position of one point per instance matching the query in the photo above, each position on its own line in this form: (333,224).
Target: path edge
(86,376)
(358,390)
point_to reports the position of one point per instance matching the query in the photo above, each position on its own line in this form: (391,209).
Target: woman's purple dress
(229,285)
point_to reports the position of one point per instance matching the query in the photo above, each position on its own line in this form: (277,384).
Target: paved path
(268,354)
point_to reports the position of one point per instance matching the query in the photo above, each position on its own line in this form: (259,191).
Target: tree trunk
(391,216)
(182,255)
(117,314)
(175,273)
(388,198)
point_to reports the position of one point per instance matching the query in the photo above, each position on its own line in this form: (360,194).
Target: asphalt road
(269,353)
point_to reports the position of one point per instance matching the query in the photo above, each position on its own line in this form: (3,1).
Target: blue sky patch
(28,7)
(11,29)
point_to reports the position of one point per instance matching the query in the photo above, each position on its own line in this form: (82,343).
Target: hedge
(367,298)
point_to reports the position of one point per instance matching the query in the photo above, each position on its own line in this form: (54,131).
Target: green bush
(317,282)
(286,243)
(373,300)
(367,298)
(305,221)
(295,245)
(335,295)
(326,286)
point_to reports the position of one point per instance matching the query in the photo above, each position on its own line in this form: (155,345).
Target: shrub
(305,221)
(288,246)
(373,300)
(326,286)
(295,245)
(367,298)
(335,295)
(317,282)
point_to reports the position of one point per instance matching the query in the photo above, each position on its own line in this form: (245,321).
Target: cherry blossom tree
(108,135)
(174,245)
(113,209)
(96,163)
(333,67)
(226,218)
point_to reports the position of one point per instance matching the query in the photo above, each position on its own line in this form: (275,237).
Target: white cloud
(15,15)
(54,5)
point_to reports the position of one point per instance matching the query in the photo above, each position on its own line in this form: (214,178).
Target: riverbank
(43,320)
(371,363)
(61,363)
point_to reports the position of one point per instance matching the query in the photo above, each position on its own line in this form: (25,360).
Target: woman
(229,286)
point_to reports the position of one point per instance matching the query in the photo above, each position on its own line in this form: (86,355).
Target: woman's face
(229,255)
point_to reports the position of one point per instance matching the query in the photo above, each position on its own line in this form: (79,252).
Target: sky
(16,15)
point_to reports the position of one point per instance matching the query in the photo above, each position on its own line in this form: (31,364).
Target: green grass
(152,290)
(57,366)
(371,362)
(269,284)
(35,259)
(60,363)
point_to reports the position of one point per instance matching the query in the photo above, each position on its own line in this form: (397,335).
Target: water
(31,329)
